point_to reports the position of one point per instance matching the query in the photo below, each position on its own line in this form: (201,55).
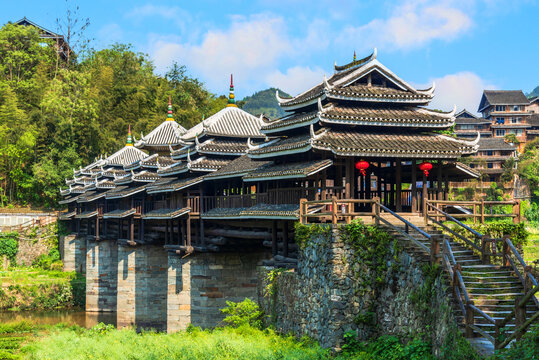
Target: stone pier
(73,253)
(200,284)
(142,291)
(101,275)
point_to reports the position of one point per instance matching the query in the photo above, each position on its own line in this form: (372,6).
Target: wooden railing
(30,224)
(519,267)
(343,210)
(480,210)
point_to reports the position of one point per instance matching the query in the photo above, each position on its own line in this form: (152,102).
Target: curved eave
(418,154)
(119,196)
(290,127)
(468,171)
(298,150)
(183,155)
(223,153)
(307,102)
(385,122)
(397,100)
(180,170)
(286,176)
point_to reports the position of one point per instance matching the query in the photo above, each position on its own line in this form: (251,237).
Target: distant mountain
(264,102)
(535,92)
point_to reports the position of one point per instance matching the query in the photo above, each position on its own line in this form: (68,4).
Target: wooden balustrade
(479,209)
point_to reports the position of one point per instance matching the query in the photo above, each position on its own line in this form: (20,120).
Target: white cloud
(296,79)
(411,25)
(463,89)
(250,49)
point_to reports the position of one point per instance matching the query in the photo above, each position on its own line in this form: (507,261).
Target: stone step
(494,290)
(483,279)
(487,295)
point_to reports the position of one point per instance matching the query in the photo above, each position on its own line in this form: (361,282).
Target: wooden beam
(285,238)
(424,195)
(440,195)
(414,187)
(141,230)
(189,230)
(348,180)
(274,248)
(131,229)
(398,184)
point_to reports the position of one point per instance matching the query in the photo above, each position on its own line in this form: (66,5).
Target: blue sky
(464,46)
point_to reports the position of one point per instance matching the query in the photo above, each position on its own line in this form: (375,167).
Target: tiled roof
(292,144)
(146,176)
(465,114)
(86,214)
(473,121)
(288,170)
(66,215)
(237,167)
(111,172)
(353,115)
(91,196)
(229,122)
(410,145)
(125,156)
(506,97)
(166,213)
(494,144)
(175,185)
(124,191)
(69,199)
(533,120)
(259,211)
(290,122)
(182,152)
(377,93)
(118,213)
(167,133)
(177,167)
(208,164)
(223,146)
(155,162)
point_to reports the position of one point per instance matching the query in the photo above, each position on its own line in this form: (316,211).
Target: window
(467,127)
(490,153)
(516,107)
(500,120)
(500,132)
(516,120)
(490,165)
(500,107)
(517,132)
(472,166)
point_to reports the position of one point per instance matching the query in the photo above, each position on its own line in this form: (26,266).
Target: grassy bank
(33,288)
(531,249)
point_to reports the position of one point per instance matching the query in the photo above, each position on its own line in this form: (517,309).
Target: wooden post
(285,238)
(188,230)
(180,232)
(97,227)
(424,195)
(379,180)
(506,252)
(469,319)
(398,186)
(348,179)
(131,229)
(274,246)
(482,209)
(474,207)
(376,210)
(516,212)
(440,195)
(141,231)
(334,210)
(302,211)
(520,316)
(435,241)
(497,327)
(414,187)
(367,185)
(485,257)
(324,185)
(166,232)
(455,280)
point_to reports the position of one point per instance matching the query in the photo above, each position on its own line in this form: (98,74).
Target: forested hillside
(535,92)
(264,102)
(55,115)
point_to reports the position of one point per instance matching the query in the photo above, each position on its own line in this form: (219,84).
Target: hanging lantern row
(362,166)
(425,166)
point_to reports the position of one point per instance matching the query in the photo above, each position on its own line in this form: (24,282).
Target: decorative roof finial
(169,114)
(354,55)
(231,97)
(129,141)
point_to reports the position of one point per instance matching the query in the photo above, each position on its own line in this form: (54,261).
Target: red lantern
(425,166)
(362,166)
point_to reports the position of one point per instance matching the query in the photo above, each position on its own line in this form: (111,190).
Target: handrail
(404,221)
(454,233)
(456,221)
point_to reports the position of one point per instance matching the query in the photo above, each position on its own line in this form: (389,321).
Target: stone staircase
(492,288)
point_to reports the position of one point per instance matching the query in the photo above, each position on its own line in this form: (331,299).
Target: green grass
(34,276)
(222,343)
(531,249)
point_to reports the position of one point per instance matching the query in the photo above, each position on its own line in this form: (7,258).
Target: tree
(511,138)
(72,27)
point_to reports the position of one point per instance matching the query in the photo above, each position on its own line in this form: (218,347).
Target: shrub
(246,312)
(9,245)
(525,349)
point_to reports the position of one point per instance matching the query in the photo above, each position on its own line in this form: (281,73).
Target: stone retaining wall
(73,252)
(101,275)
(323,298)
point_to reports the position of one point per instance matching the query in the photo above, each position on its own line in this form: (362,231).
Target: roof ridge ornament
(356,62)
(320,107)
(231,96)
(169,112)
(189,157)
(129,141)
(170,148)
(251,146)
(197,143)
(326,84)
(429,91)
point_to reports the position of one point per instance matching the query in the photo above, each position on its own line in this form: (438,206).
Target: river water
(68,317)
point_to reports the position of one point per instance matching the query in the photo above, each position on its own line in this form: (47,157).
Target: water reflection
(69,317)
